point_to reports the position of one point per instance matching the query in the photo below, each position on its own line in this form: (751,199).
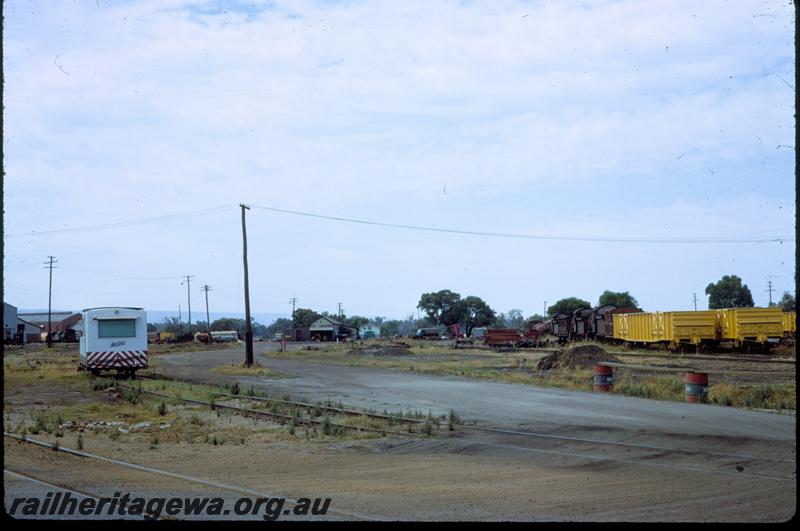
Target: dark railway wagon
(582,323)
(606,324)
(562,326)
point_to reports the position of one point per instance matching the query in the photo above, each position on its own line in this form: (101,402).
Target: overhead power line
(181,215)
(121,224)
(528,236)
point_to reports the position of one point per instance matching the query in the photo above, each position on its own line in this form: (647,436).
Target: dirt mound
(577,357)
(380,350)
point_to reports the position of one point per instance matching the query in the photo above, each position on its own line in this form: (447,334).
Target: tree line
(446,307)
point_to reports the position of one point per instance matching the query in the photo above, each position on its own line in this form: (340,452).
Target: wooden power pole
(207,288)
(49,265)
(248,333)
(189,295)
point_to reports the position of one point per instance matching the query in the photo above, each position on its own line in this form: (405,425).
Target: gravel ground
(466,474)
(430,480)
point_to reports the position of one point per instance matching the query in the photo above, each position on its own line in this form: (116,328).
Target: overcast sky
(608,119)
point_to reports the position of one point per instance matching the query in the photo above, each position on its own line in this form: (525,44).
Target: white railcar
(114,338)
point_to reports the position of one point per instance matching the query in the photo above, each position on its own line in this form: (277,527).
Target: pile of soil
(381,350)
(577,357)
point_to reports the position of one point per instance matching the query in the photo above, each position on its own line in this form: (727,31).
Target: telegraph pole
(207,288)
(340,310)
(189,294)
(544,311)
(49,265)
(293,300)
(770,290)
(694,298)
(248,333)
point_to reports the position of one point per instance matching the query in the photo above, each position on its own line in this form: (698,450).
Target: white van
(114,338)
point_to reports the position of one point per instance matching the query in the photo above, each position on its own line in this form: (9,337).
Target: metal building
(328,329)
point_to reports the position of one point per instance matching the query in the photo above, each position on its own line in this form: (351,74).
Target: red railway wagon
(503,337)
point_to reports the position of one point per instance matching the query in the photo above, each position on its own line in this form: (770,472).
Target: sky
(654,119)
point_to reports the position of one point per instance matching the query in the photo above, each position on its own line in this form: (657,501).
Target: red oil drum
(696,386)
(603,378)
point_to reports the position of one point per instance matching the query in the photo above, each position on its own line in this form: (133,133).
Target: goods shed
(329,329)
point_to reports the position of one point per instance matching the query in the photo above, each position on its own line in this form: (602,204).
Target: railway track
(646,461)
(174,475)
(302,421)
(305,405)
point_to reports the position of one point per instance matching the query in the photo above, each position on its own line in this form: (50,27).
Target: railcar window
(116,328)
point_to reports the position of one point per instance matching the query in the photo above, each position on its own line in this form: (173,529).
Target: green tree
(567,305)
(390,328)
(303,317)
(513,319)
(473,311)
(172,324)
(787,302)
(442,307)
(355,320)
(619,299)
(230,323)
(729,292)
(280,326)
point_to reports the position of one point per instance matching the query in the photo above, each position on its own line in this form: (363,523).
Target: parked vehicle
(114,338)
(478,332)
(427,333)
(161,337)
(225,336)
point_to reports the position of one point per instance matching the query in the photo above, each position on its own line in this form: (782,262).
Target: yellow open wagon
(789,321)
(676,329)
(750,325)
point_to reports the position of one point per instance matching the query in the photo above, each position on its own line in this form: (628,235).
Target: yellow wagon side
(789,323)
(758,325)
